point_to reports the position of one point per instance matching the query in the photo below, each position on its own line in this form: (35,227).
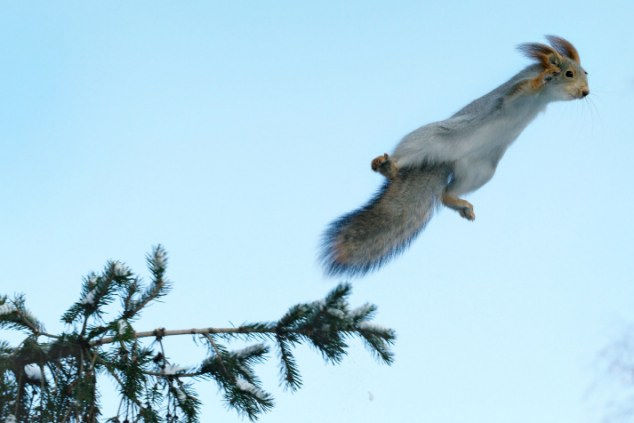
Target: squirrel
(439,162)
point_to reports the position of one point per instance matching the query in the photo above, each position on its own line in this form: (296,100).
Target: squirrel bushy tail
(368,237)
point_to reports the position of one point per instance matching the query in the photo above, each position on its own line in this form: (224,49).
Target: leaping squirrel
(439,162)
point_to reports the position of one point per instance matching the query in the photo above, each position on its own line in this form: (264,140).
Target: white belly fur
(482,151)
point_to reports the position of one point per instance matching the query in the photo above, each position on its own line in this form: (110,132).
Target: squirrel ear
(564,47)
(544,54)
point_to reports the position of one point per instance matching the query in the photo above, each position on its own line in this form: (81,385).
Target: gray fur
(370,236)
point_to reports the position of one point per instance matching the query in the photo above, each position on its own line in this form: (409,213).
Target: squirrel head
(562,74)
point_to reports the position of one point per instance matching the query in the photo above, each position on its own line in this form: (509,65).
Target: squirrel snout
(585,92)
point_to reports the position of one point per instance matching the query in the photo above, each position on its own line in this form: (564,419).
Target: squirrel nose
(585,92)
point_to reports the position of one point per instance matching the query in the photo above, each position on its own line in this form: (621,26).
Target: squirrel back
(366,238)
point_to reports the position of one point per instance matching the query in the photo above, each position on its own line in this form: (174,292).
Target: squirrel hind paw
(377,162)
(385,166)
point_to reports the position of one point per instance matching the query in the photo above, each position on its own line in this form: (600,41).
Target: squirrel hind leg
(385,166)
(463,207)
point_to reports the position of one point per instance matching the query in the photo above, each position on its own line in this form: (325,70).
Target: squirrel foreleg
(463,207)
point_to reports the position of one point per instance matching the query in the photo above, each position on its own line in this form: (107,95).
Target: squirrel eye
(569,74)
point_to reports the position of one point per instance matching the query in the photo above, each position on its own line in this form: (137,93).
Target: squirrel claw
(463,207)
(468,213)
(385,166)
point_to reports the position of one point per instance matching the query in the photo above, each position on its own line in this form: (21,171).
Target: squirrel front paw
(385,166)
(467,213)
(463,207)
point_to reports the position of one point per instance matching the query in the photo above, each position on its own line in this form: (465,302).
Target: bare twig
(217,350)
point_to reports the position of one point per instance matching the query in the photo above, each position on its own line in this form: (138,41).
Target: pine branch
(60,372)
(14,315)
(157,263)
(162,332)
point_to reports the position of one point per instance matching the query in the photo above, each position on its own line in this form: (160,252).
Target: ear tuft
(564,47)
(544,54)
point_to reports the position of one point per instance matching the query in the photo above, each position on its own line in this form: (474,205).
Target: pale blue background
(233,132)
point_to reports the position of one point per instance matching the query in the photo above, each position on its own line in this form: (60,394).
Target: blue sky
(233,132)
